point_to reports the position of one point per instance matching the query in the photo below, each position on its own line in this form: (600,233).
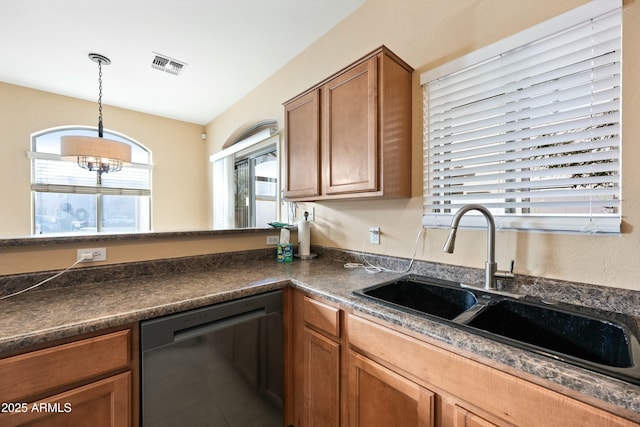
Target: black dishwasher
(220,365)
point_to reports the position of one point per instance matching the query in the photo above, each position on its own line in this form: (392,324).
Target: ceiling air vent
(174,67)
(166,64)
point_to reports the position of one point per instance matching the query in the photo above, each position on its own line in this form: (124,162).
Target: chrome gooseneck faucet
(491,266)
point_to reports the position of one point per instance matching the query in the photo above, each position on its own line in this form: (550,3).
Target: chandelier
(96,153)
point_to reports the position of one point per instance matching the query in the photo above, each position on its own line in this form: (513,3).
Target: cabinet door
(321,380)
(378,397)
(350,131)
(302,146)
(102,403)
(464,418)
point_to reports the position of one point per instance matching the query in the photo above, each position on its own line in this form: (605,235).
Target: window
(256,188)
(66,198)
(530,127)
(245,183)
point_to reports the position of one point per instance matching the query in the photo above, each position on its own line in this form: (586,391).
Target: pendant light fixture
(96,153)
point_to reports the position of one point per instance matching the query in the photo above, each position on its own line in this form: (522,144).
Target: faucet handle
(506,274)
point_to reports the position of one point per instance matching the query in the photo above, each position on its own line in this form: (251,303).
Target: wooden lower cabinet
(104,403)
(467,392)
(378,397)
(464,418)
(87,382)
(353,371)
(321,380)
(317,370)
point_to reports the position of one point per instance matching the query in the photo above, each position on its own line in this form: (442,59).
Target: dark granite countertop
(41,316)
(42,240)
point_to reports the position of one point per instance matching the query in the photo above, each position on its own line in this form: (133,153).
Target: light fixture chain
(101,155)
(100,132)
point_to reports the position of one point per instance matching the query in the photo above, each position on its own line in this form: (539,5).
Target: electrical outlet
(312,214)
(92,254)
(374,235)
(272,240)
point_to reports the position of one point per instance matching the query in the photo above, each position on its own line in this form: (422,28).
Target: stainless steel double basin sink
(605,342)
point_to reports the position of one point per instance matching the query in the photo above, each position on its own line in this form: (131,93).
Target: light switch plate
(374,235)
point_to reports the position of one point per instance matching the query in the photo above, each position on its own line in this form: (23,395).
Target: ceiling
(229,47)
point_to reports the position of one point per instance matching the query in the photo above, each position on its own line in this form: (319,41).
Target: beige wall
(180,198)
(23,259)
(180,189)
(427,33)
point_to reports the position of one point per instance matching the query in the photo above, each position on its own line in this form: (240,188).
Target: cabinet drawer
(36,372)
(322,316)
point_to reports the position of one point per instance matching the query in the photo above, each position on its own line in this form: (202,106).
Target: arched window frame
(121,204)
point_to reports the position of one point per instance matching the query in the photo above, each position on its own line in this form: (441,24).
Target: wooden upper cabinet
(302,146)
(362,133)
(349,137)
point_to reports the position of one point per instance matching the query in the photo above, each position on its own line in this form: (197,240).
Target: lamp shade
(98,153)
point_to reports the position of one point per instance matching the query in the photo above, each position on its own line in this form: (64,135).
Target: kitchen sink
(430,298)
(588,338)
(604,342)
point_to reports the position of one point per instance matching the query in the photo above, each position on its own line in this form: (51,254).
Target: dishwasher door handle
(166,330)
(203,329)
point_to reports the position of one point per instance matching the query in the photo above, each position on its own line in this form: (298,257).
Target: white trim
(564,224)
(222,169)
(531,34)
(257,138)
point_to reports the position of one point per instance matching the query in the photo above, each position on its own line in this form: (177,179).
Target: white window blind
(530,127)
(50,174)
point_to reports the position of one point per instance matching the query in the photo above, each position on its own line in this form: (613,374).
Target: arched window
(66,199)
